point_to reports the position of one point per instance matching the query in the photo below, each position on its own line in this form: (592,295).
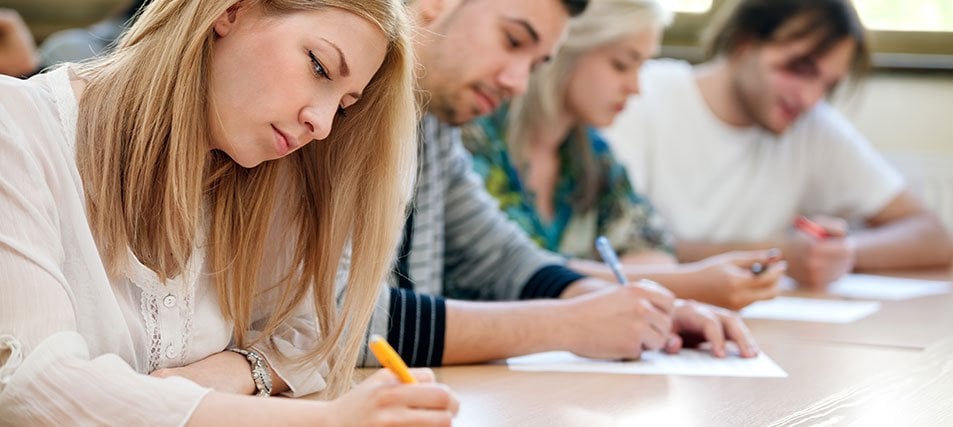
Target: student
(462,264)
(164,205)
(18,55)
(554,175)
(732,151)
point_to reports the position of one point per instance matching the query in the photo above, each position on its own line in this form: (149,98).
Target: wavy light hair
(603,22)
(144,156)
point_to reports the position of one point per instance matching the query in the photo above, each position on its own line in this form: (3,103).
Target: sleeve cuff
(417,327)
(549,282)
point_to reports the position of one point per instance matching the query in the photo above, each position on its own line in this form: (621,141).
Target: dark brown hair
(760,20)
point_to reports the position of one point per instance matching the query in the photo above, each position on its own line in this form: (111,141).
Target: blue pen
(609,257)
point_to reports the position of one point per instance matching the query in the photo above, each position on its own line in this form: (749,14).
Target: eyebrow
(529,28)
(345,70)
(636,55)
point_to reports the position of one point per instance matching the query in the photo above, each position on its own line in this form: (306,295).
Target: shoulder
(32,129)
(660,71)
(34,104)
(664,84)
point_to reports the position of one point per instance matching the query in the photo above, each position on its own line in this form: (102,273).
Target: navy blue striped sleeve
(417,327)
(549,282)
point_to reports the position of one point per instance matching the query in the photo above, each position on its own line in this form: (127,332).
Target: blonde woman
(554,174)
(186,196)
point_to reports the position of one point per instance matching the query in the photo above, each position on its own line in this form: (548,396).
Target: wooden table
(894,367)
(917,393)
(491,395)
(913,324)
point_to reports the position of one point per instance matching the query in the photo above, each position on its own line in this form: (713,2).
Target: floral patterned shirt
(624,217)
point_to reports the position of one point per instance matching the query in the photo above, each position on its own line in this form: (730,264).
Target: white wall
(904,112)
(909,117)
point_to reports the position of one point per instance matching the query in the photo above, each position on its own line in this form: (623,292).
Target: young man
(462,263)
(732,151)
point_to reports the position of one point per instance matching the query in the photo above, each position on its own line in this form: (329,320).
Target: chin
(600,122)
(777,128)
(246,162)
(449,115)
(458,118)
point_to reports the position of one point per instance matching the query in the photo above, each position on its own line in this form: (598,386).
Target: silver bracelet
(259,370)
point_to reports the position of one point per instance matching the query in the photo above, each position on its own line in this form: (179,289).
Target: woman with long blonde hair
(554,174)
(177,212)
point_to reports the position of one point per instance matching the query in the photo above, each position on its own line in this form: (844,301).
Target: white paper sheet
(810,310)
(687,362)
(865,286)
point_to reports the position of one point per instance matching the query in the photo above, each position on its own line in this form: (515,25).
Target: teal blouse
(625,218)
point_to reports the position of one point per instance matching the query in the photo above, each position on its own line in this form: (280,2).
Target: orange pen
(389,359)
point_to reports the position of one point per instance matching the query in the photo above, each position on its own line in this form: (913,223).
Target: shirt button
(170,352)
(169,301)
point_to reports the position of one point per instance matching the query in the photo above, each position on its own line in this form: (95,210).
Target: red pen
(812,228)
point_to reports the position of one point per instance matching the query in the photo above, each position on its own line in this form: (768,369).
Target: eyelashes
(319,71)
(318,67)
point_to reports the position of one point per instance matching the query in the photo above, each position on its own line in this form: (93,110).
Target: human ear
(429,10)
(226,21)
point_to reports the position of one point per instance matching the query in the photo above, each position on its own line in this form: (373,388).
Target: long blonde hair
(603,22)
(144,156)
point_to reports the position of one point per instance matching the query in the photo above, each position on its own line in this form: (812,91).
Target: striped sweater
(457,244)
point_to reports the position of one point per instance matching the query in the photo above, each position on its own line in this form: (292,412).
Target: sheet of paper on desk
(687,362)
(865,286)
(810,310)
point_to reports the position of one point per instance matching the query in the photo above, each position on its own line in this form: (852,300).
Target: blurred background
(904,106)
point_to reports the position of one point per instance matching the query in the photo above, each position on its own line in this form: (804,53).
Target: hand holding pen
(701,322)
(819,251)
(772,257)
(394,393)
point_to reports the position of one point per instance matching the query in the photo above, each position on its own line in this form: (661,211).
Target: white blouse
(75,346)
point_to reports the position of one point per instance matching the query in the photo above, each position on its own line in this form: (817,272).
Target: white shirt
(717,183)
(75,346)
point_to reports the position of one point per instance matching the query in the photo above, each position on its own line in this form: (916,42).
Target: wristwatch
(259,370)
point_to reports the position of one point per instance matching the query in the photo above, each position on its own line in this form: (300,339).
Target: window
(688,6)
(906,15)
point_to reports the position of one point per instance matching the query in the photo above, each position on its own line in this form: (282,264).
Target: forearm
(683,280)
(916,241)
(648,258)
(691,251)
(484,331)
(236,410)
(226,372)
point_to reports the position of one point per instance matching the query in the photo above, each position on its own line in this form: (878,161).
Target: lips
(487,102)
(789,113)
(283,143)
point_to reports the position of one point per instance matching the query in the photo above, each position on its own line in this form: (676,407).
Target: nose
(318,119)
(632,86)
(514,78)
